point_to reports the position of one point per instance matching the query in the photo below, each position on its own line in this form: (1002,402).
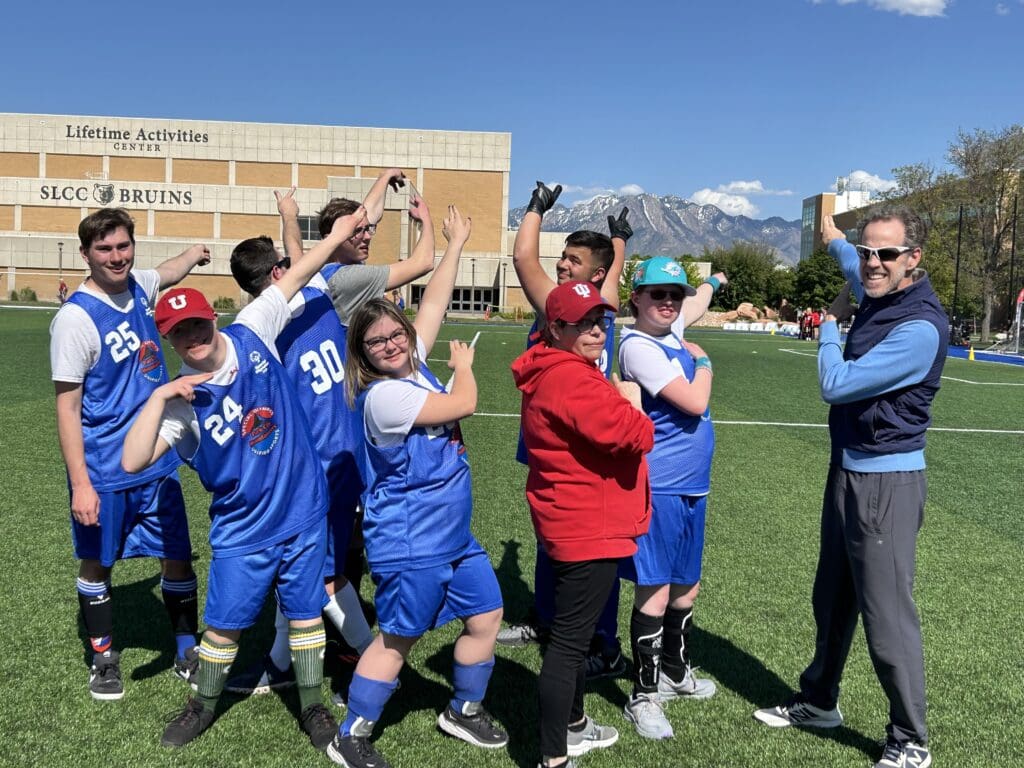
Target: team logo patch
(672,269)
(259,364)
(151,365)
(103,193)
(146,305)
(259,429)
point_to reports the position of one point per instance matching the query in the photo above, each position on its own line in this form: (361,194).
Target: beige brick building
(188,181)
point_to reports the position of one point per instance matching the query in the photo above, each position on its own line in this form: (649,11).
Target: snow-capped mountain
(672,226)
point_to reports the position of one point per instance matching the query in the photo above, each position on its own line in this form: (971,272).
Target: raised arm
(301,271)
(620,232)
(421,260)
(291,235)
(695,306)
(438,293)
(173,270)
(85,503)
(374,200)
(143,444)
(536,283)
(443,408)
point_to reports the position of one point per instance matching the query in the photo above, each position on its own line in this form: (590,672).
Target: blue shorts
(671,550)
(144,521)
(238,585)
(415,600)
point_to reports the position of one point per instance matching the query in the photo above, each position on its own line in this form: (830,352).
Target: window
(308,226)
(464,299)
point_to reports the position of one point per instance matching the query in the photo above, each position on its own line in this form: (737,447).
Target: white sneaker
(908,754)
(645,712)
(593,736)
(691,687)
(798,711)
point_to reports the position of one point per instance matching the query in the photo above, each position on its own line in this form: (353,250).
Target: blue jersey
(312,349)
(256,453)
(418,499)
(604,363)
(130,366)
(680,462)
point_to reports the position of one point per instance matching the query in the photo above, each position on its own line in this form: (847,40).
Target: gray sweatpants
(869,526)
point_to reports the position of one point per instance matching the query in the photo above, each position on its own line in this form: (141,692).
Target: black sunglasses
(659,294)
(285,263)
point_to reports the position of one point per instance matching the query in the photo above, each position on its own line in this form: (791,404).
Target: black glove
(619,227)
(842,307)
(543,198)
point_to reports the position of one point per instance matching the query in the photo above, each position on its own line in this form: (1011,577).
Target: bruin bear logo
(103,193)
(260,431)
(151,365)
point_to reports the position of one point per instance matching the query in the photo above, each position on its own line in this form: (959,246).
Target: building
(816,208)
(187,182)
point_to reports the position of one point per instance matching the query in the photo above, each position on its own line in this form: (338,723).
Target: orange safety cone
(970,353)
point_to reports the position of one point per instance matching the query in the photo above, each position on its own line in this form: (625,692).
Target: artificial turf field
(754,627)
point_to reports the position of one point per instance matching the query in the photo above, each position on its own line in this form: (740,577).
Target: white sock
(280,652)
(346,614)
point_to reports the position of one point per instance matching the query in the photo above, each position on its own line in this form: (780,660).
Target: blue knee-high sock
(470,684)
(366,700)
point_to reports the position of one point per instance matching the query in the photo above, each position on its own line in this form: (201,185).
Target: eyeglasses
(369,229)
(586,325)
(660,294)
(886,253)
(398,337)
(285,263)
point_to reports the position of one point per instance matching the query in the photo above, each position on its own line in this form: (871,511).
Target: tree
(818,280)
(990,167)
(751,269)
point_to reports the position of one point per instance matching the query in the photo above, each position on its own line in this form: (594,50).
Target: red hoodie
(588,488)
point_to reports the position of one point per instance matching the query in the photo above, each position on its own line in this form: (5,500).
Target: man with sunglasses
(880,388)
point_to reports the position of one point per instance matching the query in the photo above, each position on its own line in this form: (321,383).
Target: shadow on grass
(515,591)
(749,678)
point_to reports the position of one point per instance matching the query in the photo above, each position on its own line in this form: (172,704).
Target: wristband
(702,362)
(715,284)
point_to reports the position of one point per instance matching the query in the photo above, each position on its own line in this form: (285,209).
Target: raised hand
(345,226)
(460,355)
(286,205)
(200,254)
(543,198)
(619,227)
(829,231)
(456,229)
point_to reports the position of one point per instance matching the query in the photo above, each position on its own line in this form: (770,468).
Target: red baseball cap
(181,304)
(571,301)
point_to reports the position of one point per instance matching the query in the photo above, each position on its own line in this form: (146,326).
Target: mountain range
(671,226)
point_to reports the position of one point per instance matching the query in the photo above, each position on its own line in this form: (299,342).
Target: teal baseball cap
(662,270)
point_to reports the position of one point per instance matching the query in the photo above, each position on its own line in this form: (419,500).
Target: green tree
(817,281)
(751,269)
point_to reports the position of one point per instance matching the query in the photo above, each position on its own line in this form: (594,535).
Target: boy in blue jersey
(675,384)
(312,348)
(106,360)
(234,417)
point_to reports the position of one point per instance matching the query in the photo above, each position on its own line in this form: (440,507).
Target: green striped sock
(307,645)
(214,661)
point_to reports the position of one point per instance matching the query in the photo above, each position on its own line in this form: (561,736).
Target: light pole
(472,285)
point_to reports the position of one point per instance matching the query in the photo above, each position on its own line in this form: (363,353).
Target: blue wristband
(702,362)
(715,284)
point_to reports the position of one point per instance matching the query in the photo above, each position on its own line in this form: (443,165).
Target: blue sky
(749,104)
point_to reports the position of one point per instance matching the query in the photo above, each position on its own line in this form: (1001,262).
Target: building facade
(187,182)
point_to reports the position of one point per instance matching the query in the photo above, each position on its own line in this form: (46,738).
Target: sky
(751,105)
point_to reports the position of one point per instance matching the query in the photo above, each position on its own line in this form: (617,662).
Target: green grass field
(754,635)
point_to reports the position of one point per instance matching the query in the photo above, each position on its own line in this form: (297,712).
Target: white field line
(798,424)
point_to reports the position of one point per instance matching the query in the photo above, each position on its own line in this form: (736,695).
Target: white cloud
(734,205)
(753,187)
(902,7)
(869,182)
(586,194)
(1002,9)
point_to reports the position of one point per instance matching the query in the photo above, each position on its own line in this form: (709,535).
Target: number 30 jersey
(129,367)
(256,453)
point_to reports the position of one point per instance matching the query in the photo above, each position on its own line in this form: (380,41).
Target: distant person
(62,291)
(880,388)
(396,297)
(106,360)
